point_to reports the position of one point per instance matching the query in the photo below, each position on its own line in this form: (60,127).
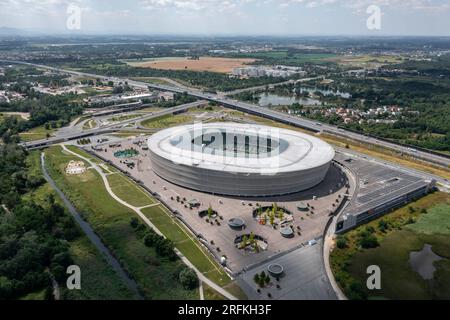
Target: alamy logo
(374,20)
(374,280)
(74,20)
(74,280)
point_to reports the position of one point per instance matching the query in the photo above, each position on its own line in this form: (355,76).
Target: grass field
(91,124)
(37,133)
(185,242)
(211,294)
(111,221)
(124,117)
(160,216)
(99,281)
(425,221)
(367,60)
(436,222)
(127,190)
(167,121)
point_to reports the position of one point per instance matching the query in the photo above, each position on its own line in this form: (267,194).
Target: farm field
(211,64)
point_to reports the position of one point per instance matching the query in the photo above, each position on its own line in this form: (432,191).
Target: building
(75,168)
(239,159)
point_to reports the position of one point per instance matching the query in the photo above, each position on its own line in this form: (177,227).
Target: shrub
(383,225)
(356,291)
(256,278)
(341,242)
(188,279)
(134,222)
(369,241)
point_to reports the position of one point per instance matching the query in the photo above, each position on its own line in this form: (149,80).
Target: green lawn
(128,191)
(99,280)
(91,124)
(37,295)
(167,121)
(425,221)
(211,294)
(111,221)
(437,221)
(37,133)
(185,242)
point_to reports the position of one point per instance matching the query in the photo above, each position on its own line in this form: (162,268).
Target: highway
(75,133)
(231,93)
(264,112)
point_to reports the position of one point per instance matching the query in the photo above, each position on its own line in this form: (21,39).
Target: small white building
(75,168)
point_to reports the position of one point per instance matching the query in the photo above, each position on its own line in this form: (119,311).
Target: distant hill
(7,31)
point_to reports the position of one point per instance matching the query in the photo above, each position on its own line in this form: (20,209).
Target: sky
(229,17)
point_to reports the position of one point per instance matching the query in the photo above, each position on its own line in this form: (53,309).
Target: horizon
(281,18)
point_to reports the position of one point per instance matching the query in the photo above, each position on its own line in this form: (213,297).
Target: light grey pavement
(311,225)
(304,277)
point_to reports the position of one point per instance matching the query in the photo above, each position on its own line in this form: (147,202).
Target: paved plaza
(327,197)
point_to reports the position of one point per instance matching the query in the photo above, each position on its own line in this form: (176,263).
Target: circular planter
(275,270)
(302,207)
(236,223)
(204,213)
(287,232)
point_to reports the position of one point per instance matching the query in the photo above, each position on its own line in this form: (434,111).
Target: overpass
(296,121)
(75,134)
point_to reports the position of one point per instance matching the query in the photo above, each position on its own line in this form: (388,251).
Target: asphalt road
(74,132)
(267,113)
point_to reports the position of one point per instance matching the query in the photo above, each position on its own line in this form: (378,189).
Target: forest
(33,236)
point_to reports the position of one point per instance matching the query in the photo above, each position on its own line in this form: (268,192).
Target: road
(72,133)
(263,87)
(92,236)
(147,221)
(264,112)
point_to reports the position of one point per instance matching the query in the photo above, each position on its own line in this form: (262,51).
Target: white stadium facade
(239,159)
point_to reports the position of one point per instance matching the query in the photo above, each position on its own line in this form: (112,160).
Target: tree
(369,241)
(244,241)
(134,222)
(272,218)
(210,212)
(341,242)
(267,279)
(256,278)
(188,279)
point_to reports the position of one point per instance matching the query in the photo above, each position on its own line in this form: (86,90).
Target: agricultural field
(284,57)
(400,235)
(367,61)
(211,64)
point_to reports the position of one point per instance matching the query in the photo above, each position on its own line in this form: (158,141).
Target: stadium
(239,159)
